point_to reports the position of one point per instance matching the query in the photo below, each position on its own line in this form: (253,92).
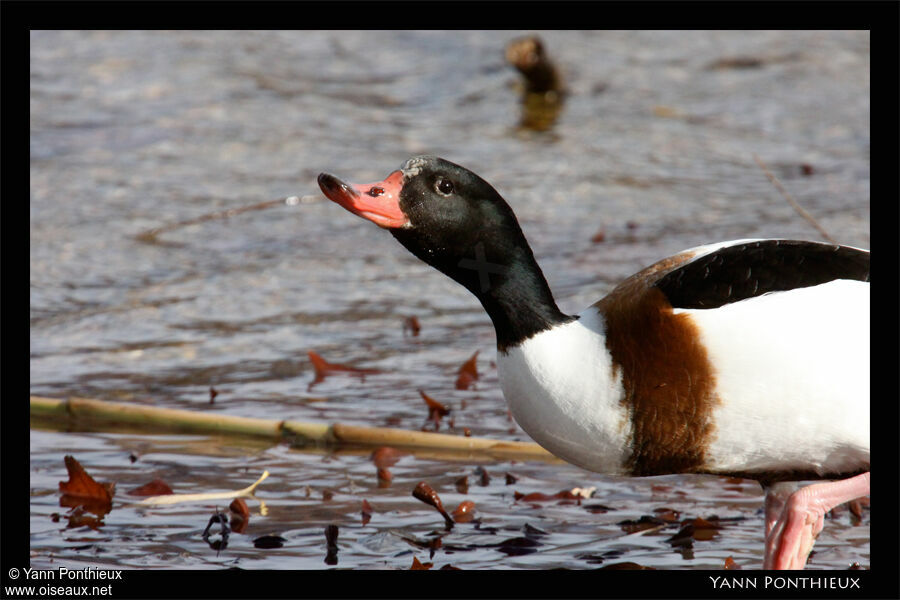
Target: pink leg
(776,496)
(790,536)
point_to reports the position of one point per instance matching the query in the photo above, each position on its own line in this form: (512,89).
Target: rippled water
(654,147)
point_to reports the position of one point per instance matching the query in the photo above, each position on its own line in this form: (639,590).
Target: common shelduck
(747,358)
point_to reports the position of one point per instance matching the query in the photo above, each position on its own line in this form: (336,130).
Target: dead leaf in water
(694,529)
(324,368)
(468,373)
(386,456)
(562,497)
(78,518)
(240,515)
(465,512)
(436,410)
(484,478)
(366,512)
(667,514)
(82,490)
(411,325)
(157,487)
(384,477)
(426,494)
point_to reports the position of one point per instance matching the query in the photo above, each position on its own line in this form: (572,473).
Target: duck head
(455,221)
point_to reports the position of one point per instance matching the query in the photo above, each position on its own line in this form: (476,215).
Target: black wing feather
(755,268)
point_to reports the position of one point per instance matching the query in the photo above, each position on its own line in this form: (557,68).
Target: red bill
(378,202)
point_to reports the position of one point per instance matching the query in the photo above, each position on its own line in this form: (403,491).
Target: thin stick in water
(809,218)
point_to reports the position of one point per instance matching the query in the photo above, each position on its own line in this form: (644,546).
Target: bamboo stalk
(386,436)
(300,432)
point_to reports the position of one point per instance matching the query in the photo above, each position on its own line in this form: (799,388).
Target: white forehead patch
(413,166)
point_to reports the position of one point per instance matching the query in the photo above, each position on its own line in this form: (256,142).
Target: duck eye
(445,186)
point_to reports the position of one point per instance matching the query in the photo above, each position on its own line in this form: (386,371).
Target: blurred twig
(151,234)
(809,218)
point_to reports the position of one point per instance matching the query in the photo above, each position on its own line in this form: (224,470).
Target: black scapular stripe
(755,268)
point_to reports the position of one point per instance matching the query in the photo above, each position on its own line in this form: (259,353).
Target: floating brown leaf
(731,565)
(694,529)
(78,518)
(324,368)
(667,514)
(386,456)
(462,485)
(418,566)
(411,325)
(239,508)
(468,373)
(384,477)
(157,487)
(465,512)
(240,515)
(426,494)
(483,477)
(82,490)
(705,530)
(511,479)
(366,512)
(436,410)
(563,497)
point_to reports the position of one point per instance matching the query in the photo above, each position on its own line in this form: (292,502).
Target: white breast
(561,391)
(792,373)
